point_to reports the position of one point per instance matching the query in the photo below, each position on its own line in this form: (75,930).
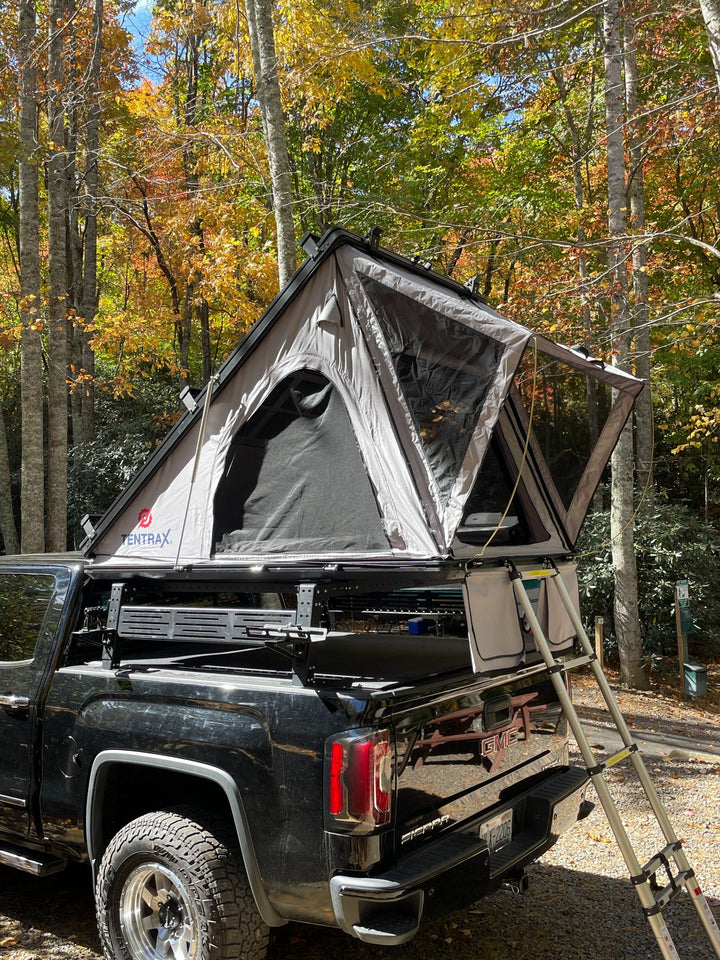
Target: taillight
(359,781)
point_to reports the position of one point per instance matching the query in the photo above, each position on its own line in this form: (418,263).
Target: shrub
(671,544)
(128,430)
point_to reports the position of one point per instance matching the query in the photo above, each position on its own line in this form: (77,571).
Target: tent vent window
(445,369)
(294,478)
(569,414)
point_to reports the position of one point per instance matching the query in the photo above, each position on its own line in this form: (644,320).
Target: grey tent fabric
(495,623)
(294,479)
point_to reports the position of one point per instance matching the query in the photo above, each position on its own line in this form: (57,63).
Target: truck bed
(385,658)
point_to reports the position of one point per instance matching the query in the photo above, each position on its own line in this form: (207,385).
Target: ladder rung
(669,892)
(661,859)
(536,574)
(573,664)
(611,761)
(621,755)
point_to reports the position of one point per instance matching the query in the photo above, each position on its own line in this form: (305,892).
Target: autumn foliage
(472,134)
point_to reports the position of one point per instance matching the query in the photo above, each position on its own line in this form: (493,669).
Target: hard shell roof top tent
(377,412)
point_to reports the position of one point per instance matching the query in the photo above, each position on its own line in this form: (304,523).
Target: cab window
(25,599)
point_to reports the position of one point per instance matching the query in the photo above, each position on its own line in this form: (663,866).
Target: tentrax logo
(161,539)
(144,518)
(150,539)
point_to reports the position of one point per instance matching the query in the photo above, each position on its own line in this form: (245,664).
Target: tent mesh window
(294,478)
(445,369)
(568,416)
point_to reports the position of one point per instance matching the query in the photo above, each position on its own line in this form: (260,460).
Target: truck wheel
(172,886)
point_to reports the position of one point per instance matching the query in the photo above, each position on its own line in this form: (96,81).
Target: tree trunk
(711,15)
(58,299)
(89,303)
(7,517)
(627,623)
(580,147)
(189,57)
(262,43)
(32,506)
(207,359)
(72,228)
(641,301)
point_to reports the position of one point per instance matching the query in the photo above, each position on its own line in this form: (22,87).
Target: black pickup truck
(227,760)
(287,680)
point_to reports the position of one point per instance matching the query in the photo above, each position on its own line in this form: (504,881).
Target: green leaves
(672,543)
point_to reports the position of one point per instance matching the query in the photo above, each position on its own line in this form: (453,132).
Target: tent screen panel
(568,416)
(294,478)
(445,369)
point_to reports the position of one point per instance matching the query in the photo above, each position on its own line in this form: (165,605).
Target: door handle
(9,701)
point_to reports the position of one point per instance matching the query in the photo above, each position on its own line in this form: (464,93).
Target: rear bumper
(387,909)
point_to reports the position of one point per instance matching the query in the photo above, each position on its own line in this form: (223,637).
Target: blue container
(695,679)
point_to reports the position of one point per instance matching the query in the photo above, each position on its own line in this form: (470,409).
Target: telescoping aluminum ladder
(671,859)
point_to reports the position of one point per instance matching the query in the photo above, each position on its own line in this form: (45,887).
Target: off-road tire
(172,886)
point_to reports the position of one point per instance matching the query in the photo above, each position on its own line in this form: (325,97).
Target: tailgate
(469,751)
(481,789)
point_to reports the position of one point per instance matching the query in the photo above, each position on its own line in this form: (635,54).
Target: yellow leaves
(599,838)
(704,427)
(312,145)
(324,54)
(25,304)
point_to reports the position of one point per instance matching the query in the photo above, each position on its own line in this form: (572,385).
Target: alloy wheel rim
(158,916)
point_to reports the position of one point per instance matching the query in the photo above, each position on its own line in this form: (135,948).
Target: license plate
(498,831)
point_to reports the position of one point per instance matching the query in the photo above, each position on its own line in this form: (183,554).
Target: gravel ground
(579,905)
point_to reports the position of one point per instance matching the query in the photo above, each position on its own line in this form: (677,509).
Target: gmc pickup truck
(227,761)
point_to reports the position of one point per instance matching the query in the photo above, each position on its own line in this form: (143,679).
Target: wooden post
(682,599)
(599,641)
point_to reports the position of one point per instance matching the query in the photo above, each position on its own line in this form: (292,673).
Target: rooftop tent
(376,411)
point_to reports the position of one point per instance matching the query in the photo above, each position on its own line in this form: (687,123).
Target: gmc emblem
(500,741)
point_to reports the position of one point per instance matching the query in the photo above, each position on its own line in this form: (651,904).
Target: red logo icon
(144,518)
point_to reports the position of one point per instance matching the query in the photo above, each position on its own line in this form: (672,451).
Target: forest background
(560,156)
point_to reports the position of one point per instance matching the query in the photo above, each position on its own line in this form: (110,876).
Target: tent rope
(500,522)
